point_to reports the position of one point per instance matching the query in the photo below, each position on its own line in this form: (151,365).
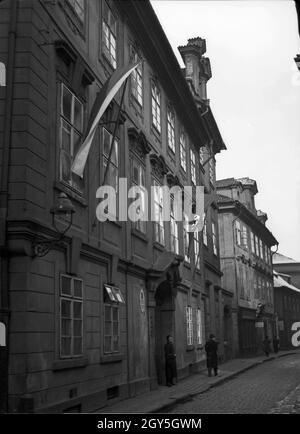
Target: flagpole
(115,132)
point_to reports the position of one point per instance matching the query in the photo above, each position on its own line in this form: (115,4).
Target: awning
(114,294)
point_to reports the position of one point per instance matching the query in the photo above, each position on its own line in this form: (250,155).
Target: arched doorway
(164,325)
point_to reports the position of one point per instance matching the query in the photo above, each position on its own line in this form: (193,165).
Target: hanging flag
(101,103)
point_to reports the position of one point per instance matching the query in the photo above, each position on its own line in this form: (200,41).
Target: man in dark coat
(170,356)
(211,348)
(266,346)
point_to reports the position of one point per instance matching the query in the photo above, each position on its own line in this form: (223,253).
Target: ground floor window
(111,329)
(189,325)
(71,323)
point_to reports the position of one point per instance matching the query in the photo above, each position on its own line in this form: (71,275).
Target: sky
(254,94)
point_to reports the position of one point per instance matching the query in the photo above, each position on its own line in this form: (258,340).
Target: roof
(278,258)
(279,282)
(227,182)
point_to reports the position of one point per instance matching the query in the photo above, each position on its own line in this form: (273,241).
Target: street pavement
(272,387)
(238,388)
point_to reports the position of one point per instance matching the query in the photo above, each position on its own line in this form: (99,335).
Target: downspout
(235,263)
(4,260)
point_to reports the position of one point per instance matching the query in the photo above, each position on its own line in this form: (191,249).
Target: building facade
(287,266)
(87,322)
(287,310)
(245,250)
(217,300)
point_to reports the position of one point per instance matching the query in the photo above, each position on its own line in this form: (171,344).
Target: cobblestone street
(269,388)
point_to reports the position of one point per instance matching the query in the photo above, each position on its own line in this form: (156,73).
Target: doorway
(164,326)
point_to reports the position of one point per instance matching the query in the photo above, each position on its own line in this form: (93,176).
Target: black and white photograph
(149,212)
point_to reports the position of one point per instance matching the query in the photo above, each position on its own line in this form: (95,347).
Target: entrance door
(164,326)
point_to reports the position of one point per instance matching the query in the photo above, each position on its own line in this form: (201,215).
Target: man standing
(211,348)
(266,346)
(170,356)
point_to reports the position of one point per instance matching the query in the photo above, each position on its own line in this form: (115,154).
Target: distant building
(287,309)
(217,301)
(246,264)
(285,265)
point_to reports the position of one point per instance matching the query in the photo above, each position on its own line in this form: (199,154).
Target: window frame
(139,225)
(186,239)
(193,167)
(111,58)
(137,78)
(72,299)
(183,151)
(111,306)
(214,238)
(196,243)
(155,106)
(171,129)
(174,227)
(68,125)
(189,325)
(159,228)
(199,326)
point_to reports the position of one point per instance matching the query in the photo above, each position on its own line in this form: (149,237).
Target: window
(189,325)
(260,249)
(252,242)
(109,35)
(71,128)
(111,329)
(158,214)
(205,233)
(113,298)
(71,332)
(139,180)
(214,237)
(186,239)
(244,237)
(256,245)
(256,295)
(136,78)
(201,155)
(238,232)
(78,8)
(193,167)
(182,151)
(211,171)
(155,106)
(171,129)
(112,177)
(259,287)
(197,249)
(199,328)
(173,227)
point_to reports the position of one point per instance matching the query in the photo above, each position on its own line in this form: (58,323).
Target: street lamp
(62,207)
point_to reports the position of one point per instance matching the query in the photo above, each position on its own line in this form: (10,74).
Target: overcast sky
(254,94)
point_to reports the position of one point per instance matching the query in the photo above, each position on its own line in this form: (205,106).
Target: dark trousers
(170,371)
(215,371)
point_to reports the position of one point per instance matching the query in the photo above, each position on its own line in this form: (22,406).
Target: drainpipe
(4,260)
(235,264)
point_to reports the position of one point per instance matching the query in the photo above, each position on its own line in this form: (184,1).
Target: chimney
(197,67)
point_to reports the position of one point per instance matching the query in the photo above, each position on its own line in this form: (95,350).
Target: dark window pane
(77,306)
(67,103)
(78,288)
(77,346)
(66,346)
(65,285)
(66,308)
